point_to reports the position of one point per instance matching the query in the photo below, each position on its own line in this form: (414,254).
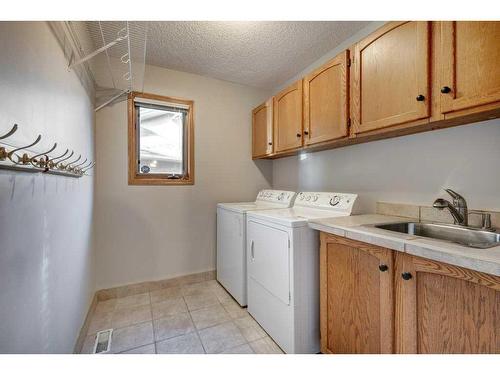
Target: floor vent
(103,341)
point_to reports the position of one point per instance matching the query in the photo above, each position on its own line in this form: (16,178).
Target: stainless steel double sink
(472,237)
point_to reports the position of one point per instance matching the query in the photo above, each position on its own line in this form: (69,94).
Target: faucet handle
(485,219)
(458,200)
(454,194)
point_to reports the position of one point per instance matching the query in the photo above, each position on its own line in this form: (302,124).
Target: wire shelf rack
(108,56)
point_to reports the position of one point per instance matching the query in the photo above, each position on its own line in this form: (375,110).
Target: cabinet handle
(406,276)
(306,132)
(252,251)
(420,98)
(383,267)
(270,143)
(299,135)
(445,89)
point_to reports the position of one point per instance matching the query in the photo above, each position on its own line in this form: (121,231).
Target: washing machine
(283,268)
(231,238)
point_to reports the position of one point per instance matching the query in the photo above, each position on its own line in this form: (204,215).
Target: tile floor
(193,319)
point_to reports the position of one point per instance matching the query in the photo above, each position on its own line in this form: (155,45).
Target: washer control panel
(342,202)
(277,196)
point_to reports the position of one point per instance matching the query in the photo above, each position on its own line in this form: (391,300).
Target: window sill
(151,181)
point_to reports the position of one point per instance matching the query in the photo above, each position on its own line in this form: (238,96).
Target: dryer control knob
(335,200)
(315,198)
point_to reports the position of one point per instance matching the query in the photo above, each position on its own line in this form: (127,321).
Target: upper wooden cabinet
(470,65)
(262,130)
(326,105)
(356,297)
(288,118)
(445,309)
(404,78)
(391,80)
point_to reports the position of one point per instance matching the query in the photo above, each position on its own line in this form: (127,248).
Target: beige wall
(411,169)
(155,232)
(148,233)
(46,252)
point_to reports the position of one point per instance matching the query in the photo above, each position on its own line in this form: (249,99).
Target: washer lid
(266,199)
(243,207)
(294,216)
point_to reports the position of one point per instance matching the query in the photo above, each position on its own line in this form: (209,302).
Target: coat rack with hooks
(65,164)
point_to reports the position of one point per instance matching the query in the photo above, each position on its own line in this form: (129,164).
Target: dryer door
(269,258)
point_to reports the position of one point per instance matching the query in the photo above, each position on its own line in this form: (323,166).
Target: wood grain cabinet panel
(445,309)
(356,297)
(404,78)
(288,118)
(470,65)
(391,83)
(326,105)
(262,130)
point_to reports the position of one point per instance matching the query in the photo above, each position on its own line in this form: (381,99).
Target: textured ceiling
(260,54)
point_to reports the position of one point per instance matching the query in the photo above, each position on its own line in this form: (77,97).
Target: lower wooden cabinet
(356,297)
(445,309)
(375,300)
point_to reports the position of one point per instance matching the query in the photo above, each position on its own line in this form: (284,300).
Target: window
(160,140)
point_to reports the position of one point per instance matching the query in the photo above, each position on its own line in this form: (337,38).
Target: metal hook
(61,166)
(85,166)
(70,167)
(8,134)
(49,163)
(41,163)
(59,162)
(60,156)
(25,159)
(83,170)
(74,167)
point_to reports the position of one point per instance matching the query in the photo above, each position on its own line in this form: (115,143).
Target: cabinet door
(326,105)
(288,118)
(391,83)
(356,297)
(445,309)
(262,129)
(470,68)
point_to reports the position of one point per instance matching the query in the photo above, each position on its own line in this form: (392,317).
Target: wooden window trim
(135,178)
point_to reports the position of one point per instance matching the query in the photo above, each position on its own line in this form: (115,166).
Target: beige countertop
(357,227)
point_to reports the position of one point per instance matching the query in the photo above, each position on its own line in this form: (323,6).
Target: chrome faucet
(458,209)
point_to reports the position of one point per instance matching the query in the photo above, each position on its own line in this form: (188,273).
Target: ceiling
(260,54)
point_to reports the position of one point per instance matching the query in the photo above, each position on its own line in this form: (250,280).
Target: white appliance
(231,238)
(283,268)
